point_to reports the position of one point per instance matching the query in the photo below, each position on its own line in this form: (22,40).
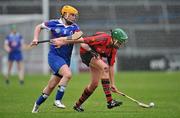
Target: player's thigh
(95,75)
(101,65)
(98,63)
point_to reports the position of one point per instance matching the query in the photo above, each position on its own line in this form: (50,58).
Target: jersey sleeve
(112,57)
(76,28)
(47,25)
(6,40)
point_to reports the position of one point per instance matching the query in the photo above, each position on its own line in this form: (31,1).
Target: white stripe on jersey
(45,27)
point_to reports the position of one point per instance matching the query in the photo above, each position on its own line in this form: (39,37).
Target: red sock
(106,88)
(85,95)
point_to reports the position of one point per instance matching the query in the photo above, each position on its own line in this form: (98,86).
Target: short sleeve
(47,25)
(6,40)
(76,28)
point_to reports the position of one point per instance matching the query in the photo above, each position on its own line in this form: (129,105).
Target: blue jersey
(14,41)
(58,29)
(57,57)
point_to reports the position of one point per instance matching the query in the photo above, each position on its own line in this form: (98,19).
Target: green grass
(162,88)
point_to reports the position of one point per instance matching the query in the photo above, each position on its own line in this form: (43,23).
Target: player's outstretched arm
(37,31)
(75,38)
(112,81)
(26,47)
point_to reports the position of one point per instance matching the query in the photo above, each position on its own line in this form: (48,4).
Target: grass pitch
(162,88)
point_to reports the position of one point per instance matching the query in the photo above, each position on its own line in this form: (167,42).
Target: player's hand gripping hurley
(38,42)
(35,43)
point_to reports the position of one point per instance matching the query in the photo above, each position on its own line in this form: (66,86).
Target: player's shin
(85,95)
(21,77)
(41,99)
(60,92)
(106,88)
(110,102)
(59,96)
(61,88)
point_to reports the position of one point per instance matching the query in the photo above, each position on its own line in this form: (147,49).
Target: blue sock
(41,99)
(60,92)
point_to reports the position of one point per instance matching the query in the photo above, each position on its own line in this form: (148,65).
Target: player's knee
(105,72)
(105,69)
(68,75)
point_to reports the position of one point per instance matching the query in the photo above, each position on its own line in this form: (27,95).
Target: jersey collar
(61,22)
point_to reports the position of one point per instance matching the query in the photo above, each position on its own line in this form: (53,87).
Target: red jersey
(100,42)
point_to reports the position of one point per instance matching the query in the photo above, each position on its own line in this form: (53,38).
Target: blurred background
(153,27)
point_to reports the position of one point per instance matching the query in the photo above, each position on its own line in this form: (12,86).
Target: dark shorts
(86,58)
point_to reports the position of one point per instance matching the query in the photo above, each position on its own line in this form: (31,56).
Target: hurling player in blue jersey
(58,58)
(13,45)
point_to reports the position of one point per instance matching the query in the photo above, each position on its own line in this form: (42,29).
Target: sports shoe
(113,104)
(35,108)
(78,109)
(58,104)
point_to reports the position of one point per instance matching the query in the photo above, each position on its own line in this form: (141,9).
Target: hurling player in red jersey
(92,50)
